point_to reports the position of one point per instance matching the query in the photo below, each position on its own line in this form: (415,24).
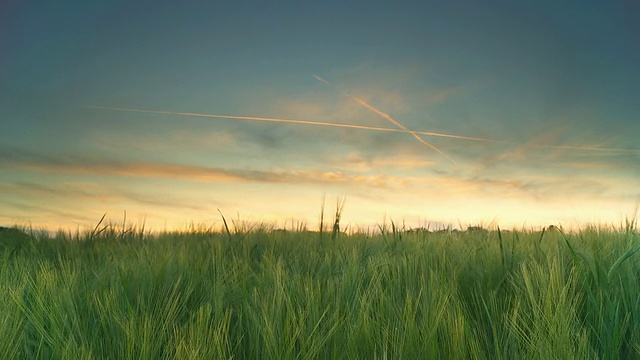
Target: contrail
(387,117)
(290,121)
(321,80)
(359,127)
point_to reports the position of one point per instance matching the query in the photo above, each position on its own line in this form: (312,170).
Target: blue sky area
(528,112)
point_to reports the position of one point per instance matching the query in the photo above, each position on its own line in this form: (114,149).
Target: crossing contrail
(387,117)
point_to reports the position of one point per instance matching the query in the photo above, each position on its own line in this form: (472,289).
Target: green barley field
(256,292)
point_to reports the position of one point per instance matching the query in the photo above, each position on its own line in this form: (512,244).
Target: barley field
(256,292)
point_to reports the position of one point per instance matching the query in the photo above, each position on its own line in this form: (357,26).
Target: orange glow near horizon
(355,216)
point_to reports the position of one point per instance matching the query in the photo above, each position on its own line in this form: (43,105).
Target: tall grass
(258,292)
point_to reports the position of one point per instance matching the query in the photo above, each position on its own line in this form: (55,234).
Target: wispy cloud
(105,168)
(22,211)
(362,162)
(370,172)
(92,191)
(146,169)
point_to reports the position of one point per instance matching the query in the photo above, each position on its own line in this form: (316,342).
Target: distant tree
(477,229)
(12,238)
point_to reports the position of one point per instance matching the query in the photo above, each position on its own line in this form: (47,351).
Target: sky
(431,113)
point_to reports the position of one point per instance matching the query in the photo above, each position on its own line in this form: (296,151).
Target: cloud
(174,139)
(438,95)
(147,169)
(71,165)
(397,89)
(12,155)
(93,191)
(26,211)
(362,162)
(352,169)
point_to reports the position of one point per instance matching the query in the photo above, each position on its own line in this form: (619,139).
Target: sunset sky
(104,108)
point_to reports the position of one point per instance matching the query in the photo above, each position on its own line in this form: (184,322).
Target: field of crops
(262,293)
